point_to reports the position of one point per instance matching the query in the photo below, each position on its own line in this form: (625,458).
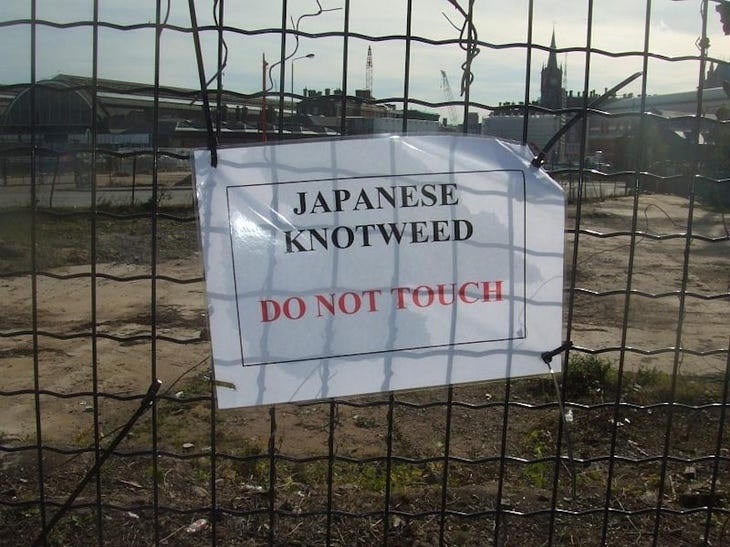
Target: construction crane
(446,88)
(369,71)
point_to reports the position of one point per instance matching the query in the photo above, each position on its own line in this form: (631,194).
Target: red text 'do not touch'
(352,303)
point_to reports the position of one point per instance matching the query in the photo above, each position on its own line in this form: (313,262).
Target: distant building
(362,114)
(360,126)
(71,110)
(472,123)
(552,94)
(613,138)
(509,122)
(333,104)
(124,115)
(540,128)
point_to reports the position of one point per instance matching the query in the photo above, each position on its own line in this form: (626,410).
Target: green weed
(652,385)
(372,477)
(537,443)
(587,375)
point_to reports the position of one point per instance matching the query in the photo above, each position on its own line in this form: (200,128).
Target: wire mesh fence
(103,293)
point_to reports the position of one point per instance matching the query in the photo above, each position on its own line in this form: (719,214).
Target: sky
(616,26)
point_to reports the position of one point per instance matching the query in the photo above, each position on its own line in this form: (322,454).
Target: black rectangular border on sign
(398,350)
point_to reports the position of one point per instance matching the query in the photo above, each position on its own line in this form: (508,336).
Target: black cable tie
(144,405)
(547,356)
(212,143)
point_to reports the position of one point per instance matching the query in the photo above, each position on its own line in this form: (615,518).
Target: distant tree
(652,146)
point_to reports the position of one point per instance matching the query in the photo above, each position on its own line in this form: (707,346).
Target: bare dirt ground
(658,268)
(122,360)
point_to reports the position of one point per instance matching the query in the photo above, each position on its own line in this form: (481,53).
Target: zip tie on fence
(540,158)
(145,404)
(547,358)
(224,62)
(212,143)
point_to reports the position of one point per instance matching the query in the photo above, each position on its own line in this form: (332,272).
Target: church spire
(553,57)
(551,80)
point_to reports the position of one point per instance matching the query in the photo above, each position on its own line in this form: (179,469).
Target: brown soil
(287,447)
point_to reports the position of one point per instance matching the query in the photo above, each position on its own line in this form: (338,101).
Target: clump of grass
(591,376)
(588,375)
(653,385)
(372,477)
(584,377)
(250,463)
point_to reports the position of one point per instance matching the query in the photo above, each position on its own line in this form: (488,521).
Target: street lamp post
(307,56)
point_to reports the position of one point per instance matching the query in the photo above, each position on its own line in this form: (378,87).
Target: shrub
(587,375)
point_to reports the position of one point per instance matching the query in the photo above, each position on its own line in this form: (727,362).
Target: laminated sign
(339,267)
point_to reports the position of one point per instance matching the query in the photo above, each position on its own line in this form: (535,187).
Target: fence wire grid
(102,285)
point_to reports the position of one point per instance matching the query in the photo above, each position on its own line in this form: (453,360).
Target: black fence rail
(103,295)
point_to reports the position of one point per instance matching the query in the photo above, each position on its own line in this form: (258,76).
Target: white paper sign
(353,266)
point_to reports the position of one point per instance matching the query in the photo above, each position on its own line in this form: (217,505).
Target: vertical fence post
(53,182)
(134,177)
